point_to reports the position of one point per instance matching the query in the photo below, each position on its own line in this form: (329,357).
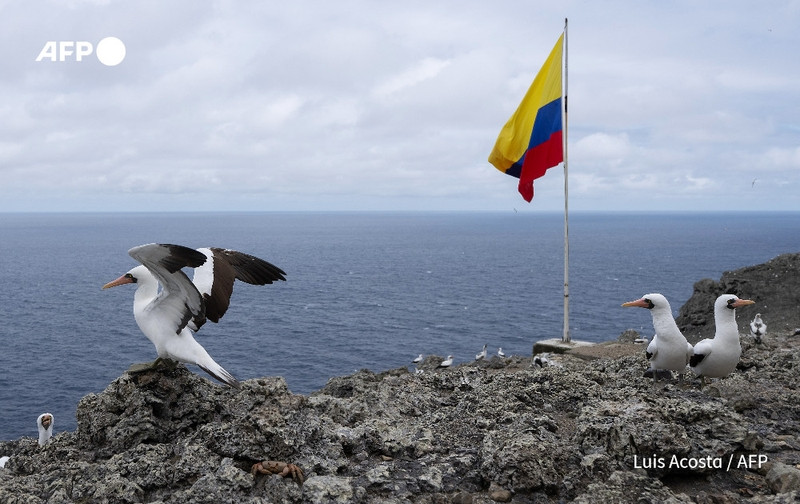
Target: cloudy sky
(362,105)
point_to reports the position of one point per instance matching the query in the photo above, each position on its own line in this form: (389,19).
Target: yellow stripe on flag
(513,140)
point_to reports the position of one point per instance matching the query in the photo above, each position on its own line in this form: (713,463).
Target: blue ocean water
(363,290)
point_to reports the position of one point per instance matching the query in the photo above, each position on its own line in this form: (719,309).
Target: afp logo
(110,51)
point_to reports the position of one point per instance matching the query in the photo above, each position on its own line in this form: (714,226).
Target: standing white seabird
(717,357)
(168,317)
(758,329)
(418,359)
(447,362)
(668,349)
(500,352)
(45,425)
(482,354)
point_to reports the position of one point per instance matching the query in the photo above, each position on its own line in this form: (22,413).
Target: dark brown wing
(215,279)
(250,269)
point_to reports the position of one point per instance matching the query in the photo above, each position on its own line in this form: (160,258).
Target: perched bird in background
(541,360)
(717,357)
(418,359)
(545,360)
(169,315)
(447,362)
(758,329)
(482,354)
(45,425)
(668,350)
(500,352)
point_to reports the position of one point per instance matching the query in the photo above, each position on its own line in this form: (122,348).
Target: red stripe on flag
(537,161)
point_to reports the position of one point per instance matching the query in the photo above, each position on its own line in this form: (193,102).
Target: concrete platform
(555,345)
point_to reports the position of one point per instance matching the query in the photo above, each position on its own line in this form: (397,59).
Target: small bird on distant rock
(482,354)
(758,329)
(418,359)
(545,360)
(447,362)
(45,425)
(500,352)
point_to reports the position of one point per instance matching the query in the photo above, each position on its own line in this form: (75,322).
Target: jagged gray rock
(497,430)
(569,433)
(774,286)
(782,478)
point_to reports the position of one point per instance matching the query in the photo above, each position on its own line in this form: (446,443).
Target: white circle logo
(110,51)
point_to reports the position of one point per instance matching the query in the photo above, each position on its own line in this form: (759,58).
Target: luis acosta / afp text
(733,461)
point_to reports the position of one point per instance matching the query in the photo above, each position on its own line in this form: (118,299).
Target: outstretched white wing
(179,302)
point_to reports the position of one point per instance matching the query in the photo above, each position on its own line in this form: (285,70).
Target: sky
(364,105)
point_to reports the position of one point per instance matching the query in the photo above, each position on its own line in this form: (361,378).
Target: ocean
(363,290)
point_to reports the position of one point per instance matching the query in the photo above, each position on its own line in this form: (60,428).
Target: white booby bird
(482,354)
(418,359)
(541,360)
(45,425)
(668,349)
(717,357)
(168,317)
(447,362)
(758,329)
(500,352)
(545,360)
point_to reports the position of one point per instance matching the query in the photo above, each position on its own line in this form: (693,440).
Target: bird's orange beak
(124,279)
(641,303)
(742,302)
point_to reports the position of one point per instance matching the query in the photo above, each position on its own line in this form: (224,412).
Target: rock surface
(498,430)
(774,286)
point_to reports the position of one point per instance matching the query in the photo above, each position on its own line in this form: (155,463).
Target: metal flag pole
(566,337)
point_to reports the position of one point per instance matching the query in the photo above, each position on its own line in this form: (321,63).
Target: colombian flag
(531,141)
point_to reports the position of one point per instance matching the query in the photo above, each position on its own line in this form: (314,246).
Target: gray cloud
(358,105)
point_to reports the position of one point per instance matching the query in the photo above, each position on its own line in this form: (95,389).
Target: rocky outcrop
(774,286)
(498,430)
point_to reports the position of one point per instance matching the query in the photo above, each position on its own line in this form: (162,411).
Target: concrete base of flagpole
(556,345)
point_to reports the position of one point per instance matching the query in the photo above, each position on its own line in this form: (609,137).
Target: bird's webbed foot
(149,366)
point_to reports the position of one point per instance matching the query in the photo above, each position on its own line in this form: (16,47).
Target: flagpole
(566,337)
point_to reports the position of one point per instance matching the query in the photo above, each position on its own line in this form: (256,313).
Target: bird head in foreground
(731,302)
(649,301)
(131,276)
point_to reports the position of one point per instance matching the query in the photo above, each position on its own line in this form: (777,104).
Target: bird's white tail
(186,349)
